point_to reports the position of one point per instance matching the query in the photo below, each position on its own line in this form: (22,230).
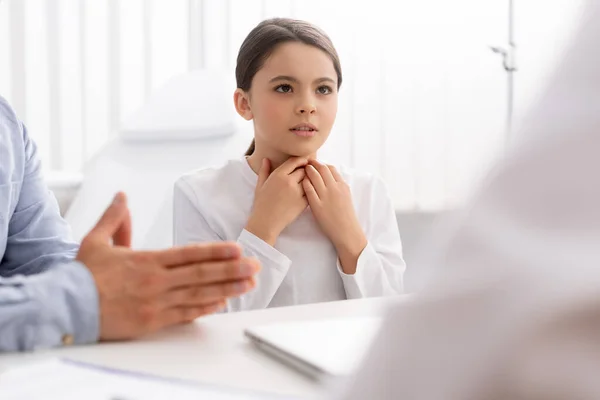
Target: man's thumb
(114,223)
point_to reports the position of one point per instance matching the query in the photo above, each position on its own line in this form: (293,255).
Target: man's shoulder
(8,116)
(11,144)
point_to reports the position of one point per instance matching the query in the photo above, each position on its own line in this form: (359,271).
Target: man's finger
(212,272)
(122,237)
(292,164)
(195,253)
(179,315)
(199,295)
(112,220)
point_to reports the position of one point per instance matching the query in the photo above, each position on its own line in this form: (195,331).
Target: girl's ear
(241,100)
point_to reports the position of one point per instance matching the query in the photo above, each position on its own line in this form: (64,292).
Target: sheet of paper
(68,380)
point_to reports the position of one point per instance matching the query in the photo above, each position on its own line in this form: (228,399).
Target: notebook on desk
(322,349)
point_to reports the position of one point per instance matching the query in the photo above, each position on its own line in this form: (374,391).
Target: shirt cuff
(69,307)
(256,247)
(356,284)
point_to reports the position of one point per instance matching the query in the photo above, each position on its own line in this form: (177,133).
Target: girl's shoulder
(211,179)
(360,180)
(368,190)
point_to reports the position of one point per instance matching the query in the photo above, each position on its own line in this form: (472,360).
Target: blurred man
(53,293)
(513,311)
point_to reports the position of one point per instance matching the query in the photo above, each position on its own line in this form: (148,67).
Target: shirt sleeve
(45,297)
(47,310)
(191,226)
(38,237)
(380,267)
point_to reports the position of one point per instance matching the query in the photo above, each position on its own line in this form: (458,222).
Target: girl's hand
(278,199)
(330,200)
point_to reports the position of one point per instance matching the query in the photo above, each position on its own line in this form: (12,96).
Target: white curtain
(423,102)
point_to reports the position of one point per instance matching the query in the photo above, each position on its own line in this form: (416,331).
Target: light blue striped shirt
(44,295)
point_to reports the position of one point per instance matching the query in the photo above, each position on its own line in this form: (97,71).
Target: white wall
(543,29)
(423,102)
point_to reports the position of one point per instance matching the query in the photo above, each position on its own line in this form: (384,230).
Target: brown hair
(266,36)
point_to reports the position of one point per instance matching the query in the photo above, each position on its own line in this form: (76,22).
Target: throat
(276,159)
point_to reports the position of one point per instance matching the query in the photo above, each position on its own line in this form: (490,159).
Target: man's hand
(143,291)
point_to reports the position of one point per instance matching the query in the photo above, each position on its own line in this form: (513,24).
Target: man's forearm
(59,307)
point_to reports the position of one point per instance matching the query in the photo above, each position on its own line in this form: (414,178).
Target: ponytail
(251,149)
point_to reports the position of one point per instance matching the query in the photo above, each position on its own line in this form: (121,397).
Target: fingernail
(240,287)
(118,199)
(232,251)
(247,268)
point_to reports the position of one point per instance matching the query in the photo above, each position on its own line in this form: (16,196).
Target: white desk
(214,350)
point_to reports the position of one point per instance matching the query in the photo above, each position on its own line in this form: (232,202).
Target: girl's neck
(276,158)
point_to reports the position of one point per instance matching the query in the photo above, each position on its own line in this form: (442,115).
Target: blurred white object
(195,105)
(147,169)
(325,350)
(513,310)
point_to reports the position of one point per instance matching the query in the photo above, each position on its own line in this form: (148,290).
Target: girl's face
(293,100)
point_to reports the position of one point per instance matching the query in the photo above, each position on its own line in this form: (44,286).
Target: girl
(320,233)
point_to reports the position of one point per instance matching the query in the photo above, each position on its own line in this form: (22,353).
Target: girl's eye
(283,88)
(324,90)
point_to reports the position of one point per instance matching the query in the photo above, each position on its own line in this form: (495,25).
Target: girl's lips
(303,133)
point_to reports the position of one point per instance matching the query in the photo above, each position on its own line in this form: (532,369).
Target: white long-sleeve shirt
(214,204)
